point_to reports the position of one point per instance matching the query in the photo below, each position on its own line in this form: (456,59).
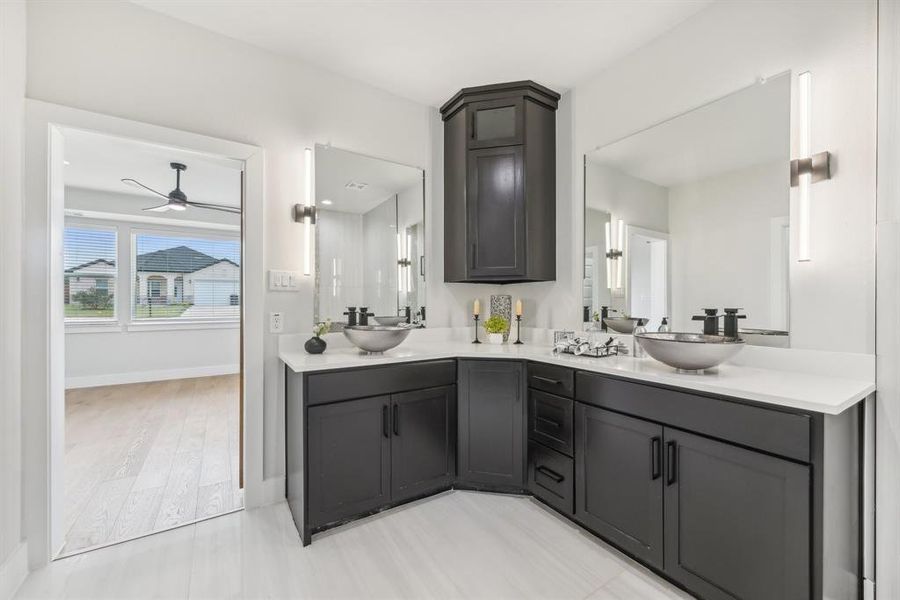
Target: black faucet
(604,312)
(407,314)
(586,314)
(710,321)
(364,315)
(351,316)
(731,321)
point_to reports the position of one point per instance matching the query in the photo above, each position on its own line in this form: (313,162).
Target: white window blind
(89,260)
(184,277)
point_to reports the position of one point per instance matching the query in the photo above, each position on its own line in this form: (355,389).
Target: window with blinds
(89,259)
(183,277)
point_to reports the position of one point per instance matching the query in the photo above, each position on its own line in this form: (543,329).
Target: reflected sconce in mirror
(404,264)
(614,255)
(809,168)
(306,213)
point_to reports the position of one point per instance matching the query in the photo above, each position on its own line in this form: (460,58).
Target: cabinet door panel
(493,123)
(618,480)
(349,458)
(423,447)
(737,521)
(496,212)
(492,423)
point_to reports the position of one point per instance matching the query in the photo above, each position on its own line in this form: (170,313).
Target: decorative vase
(315,345)
(496,338)
(501,304)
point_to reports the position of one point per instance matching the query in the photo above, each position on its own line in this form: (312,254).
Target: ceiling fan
(176,199)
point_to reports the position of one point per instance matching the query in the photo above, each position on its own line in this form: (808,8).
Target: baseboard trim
(143,376)
(13,571)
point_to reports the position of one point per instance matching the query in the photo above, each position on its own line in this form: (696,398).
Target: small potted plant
(495,327)
(315,344)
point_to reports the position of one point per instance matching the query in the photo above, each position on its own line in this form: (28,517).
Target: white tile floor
(455,545)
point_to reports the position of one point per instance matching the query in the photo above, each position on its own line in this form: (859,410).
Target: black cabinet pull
(396,419)
(550,473)
(670,462)
(547,380)
(549,422)
(385,426)
(655,458)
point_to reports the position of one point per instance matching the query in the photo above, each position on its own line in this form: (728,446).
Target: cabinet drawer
(775,431)
(550,420)
(344,384)
(551,477)
(553,379)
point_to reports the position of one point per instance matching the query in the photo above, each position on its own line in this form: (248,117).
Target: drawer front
(551,477)
(553,379)
(771,430)
(550,421)
(346,384)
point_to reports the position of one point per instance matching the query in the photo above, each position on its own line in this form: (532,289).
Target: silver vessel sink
(376,338)
(621,324)
(690,351)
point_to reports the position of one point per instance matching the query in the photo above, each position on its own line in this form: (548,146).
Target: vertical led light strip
(621,248)
(307,221)
(804,83)
(400,278)
(609,261)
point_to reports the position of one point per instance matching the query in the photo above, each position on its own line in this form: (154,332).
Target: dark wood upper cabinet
(500,184)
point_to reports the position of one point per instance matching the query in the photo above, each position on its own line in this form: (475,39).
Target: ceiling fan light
(175,206)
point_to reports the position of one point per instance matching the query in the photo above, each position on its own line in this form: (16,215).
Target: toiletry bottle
(637,350)
(664,326)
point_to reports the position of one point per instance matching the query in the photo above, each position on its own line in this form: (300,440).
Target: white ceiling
(336,168)
(427,50)
(99,162)
(749,127)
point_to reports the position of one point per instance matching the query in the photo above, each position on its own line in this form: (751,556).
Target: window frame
(95,323)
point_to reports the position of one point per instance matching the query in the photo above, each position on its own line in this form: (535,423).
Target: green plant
(320,329)
(93,298)
(496,324)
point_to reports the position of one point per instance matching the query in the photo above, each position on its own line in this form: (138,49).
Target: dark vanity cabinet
(492,424)
(500,184)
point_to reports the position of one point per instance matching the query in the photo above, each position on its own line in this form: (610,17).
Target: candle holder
(475,341)
(518,330)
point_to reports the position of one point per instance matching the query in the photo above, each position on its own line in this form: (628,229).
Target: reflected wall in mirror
(370,238)
(698,206)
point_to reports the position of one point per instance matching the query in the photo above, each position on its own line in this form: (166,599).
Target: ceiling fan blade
(130,181)
(220,207)
(160,208)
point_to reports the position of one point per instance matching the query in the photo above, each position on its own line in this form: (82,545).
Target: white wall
(12,95)
(728,46)
(173,74)
(340,260)
(720,230)
(887,404)
(640,203)
(379,244)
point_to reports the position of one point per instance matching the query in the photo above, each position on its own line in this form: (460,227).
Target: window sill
(182,324)
(89,326)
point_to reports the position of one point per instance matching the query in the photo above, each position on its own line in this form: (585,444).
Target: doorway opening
(648,275)
(153,288)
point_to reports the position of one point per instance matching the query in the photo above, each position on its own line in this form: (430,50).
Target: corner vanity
(741,483)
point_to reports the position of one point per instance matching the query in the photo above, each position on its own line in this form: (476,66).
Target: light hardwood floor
(455,545)
(148,456)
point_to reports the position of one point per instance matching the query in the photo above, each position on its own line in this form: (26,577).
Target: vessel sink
(376,338)
(621,324)
(690,351)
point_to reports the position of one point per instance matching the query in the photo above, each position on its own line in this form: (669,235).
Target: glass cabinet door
(495,123)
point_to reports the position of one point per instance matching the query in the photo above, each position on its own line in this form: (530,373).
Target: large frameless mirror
(370,238)
(693,213)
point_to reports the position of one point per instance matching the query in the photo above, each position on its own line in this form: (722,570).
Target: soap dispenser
(664,326)
(637,350)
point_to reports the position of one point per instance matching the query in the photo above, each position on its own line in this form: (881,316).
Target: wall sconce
(306,213)
(810,168)
(404,264)
(614,253)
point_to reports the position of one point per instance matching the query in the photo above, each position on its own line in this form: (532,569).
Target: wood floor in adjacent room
(454,545)
(149,456)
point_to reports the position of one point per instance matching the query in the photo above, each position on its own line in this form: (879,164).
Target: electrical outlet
(276,322)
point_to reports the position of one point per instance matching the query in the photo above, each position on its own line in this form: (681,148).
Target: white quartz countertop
(800,390)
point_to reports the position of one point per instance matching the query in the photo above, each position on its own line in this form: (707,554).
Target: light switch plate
(284,281)
(276,322)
